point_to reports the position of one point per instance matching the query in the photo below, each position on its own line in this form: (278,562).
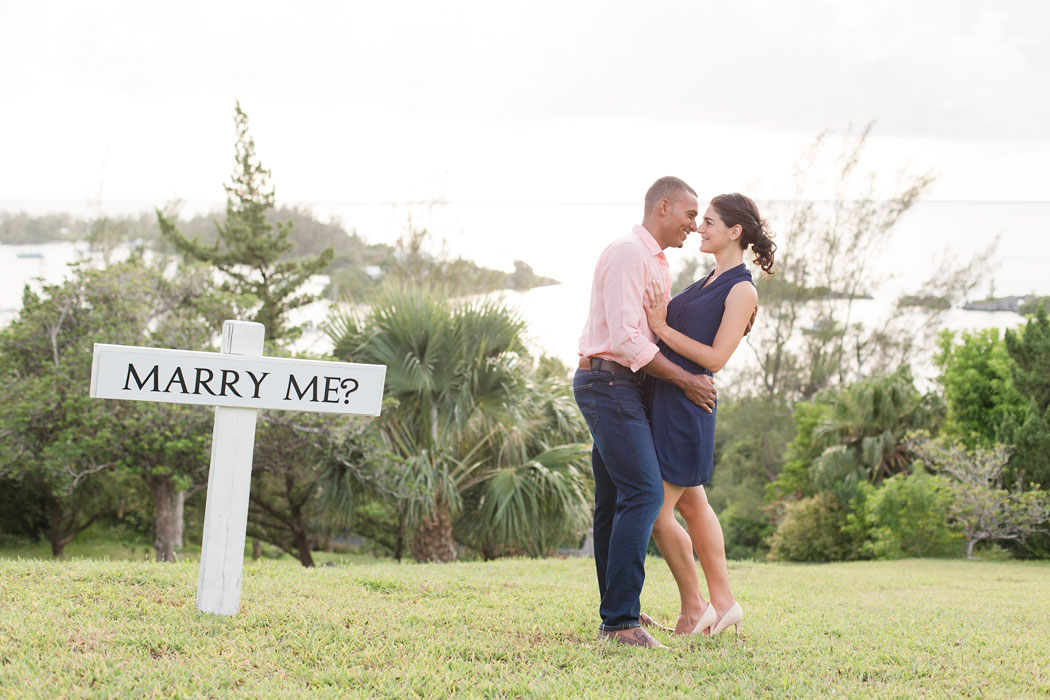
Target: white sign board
(239,381)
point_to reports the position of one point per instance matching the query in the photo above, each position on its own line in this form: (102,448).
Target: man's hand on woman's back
(701,391)
(698,388)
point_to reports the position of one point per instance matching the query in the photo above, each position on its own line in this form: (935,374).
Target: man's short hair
(666,187)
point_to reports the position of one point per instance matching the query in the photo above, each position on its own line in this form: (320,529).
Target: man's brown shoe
(634,636)
(646,621)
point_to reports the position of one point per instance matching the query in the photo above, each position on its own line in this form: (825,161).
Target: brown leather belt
(598,363)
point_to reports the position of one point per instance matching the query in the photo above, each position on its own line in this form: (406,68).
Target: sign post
(238,382)
(229,482)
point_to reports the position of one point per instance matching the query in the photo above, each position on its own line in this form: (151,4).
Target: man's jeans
(628,490)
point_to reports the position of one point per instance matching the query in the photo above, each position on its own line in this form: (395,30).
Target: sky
(567,101)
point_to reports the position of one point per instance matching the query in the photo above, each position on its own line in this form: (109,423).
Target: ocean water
(563,241)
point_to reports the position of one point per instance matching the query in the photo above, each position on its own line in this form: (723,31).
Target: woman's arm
(740,309)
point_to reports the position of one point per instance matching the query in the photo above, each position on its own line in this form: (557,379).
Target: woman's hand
(656,306)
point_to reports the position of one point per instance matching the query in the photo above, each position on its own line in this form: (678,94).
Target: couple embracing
(645,387)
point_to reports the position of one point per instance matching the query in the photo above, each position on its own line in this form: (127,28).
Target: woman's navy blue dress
(683,432)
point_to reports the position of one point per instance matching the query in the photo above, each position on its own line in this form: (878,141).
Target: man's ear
(665,206)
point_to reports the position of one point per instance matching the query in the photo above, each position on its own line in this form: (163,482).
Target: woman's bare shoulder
(743,291)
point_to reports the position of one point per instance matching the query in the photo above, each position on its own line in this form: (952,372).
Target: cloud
(946,67)
(366,97)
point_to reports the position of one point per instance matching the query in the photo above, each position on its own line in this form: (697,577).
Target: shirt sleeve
(623,290)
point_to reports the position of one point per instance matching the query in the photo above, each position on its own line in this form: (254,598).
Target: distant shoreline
(86,206)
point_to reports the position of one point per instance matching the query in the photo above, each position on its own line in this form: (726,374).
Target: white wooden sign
(220,379)
(238,381)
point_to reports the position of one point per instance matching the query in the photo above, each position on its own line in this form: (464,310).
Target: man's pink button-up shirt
(616,326)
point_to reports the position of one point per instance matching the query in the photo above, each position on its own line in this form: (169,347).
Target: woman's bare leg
(706,534)
(677,550)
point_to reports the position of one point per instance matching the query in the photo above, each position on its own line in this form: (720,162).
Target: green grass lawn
(519,628)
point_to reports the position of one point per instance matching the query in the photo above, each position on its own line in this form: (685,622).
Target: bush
(21,515)
(908,517)
(746,538)
(815,529)
(1035,546)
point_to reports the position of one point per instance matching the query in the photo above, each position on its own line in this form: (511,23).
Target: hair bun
(740,210)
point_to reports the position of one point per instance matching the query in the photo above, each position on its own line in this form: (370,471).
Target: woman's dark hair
(737,209)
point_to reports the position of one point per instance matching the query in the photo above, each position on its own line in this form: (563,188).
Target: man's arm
(698,388)
(623,289)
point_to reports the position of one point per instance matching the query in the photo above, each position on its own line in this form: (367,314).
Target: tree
(533,490)
(21,228)
(751,435)
(458,414)
(72,449)
(43,411)
(308,472)
(168,447)
(807,336)
(445,367)
(795,480)
(249,250)
(982,507)
(1030,371)
(846,441)
(864,433)
(105,234)
(982,403)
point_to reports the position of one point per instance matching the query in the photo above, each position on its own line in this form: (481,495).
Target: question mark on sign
(343,384)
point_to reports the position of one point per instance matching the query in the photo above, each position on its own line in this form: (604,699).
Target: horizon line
(5,203)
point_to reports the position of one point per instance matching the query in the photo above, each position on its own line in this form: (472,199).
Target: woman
(699,330)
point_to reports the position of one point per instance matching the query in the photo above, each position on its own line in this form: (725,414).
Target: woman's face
(714,236)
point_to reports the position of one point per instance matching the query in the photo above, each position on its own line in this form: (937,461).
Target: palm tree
(865,432)
(534,490)
(458,410)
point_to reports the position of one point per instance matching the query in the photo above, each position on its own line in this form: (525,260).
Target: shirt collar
(647,239)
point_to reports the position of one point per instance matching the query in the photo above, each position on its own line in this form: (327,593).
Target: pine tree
(253,255)
(251,251)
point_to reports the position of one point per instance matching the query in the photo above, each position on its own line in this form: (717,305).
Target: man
(616,346)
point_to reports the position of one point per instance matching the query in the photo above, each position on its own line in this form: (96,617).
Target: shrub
(908,517)
(1035,546)
(815,529)
(746,538)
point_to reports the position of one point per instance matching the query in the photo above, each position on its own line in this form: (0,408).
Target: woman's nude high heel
(734,616)
(706,620)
